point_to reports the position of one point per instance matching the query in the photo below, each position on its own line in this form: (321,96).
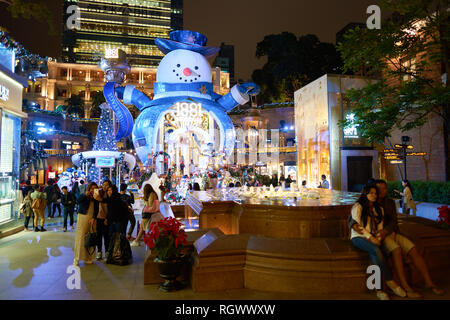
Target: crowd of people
(374,229)
(103,209)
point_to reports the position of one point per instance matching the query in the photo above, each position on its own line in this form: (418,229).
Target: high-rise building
(225,60)
(130,25)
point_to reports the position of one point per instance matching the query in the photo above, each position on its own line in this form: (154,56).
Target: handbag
(90,240)
(146,215)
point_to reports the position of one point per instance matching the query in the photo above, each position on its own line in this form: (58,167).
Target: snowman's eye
(196,68)
(178,65)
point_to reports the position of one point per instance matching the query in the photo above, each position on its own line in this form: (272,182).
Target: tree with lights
(410,55)
(105,138)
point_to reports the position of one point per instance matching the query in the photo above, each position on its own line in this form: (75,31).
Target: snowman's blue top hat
(187,40)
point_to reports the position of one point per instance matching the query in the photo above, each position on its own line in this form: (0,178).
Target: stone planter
(169,271)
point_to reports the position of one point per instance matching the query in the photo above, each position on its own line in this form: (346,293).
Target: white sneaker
(99,255)
(397,290)
(135,244)
(382,295)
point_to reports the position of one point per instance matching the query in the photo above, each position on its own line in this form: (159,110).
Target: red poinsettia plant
(166,238)
(444,217)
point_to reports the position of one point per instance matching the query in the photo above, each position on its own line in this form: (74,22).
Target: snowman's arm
(130,95)
(238,95)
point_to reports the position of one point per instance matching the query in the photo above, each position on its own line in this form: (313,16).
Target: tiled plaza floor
(33,265)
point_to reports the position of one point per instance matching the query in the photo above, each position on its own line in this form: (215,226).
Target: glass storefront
(9,167)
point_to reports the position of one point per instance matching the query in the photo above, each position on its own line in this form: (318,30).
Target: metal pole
(404,162)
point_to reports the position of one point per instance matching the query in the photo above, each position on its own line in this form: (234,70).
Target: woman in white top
(408,202)
(369,218)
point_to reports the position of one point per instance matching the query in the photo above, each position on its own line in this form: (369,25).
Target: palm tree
(97,99)
(75,105)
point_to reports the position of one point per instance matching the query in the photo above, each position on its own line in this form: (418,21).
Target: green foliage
(424,191)
(31,9)
(98,98)
(291,64)
(75,105)
(419,30)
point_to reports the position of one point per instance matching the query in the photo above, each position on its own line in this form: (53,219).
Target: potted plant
(167,240)
(444,217)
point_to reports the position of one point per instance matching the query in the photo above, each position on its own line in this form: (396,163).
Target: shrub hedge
(424,191)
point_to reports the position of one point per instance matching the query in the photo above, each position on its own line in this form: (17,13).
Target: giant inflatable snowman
(183,75)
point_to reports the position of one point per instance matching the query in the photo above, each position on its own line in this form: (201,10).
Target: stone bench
(316,265)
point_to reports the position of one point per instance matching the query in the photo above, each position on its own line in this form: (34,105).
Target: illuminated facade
(11,88)
(342,155)
(130,25)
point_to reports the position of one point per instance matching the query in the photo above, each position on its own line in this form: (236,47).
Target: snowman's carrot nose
(187,71)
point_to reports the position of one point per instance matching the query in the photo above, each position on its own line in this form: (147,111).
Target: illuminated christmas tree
(105,138)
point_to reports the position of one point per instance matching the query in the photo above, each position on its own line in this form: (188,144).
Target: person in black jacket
(49,190)
(68,202)
(117,216)
(129,201)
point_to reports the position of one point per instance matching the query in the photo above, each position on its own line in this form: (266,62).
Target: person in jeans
(38,212)
(129,200)
(68,202)
(102,228)
(49,191)
(397,246)
(368,216)
(27,209)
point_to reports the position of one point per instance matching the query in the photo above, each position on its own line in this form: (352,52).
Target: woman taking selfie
(151,206)
(87,213)
(369,220)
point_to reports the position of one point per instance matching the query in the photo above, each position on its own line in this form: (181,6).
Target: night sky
(242,23)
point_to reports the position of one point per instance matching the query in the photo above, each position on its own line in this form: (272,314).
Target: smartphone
(96,192)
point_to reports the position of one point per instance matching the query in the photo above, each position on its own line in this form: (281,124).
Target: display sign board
(52,175)
(105,162)
(4,93)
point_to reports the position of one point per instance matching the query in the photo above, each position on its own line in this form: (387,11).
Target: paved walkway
(33,265)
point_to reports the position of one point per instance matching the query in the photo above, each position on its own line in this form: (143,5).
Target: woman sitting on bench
(369,219)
